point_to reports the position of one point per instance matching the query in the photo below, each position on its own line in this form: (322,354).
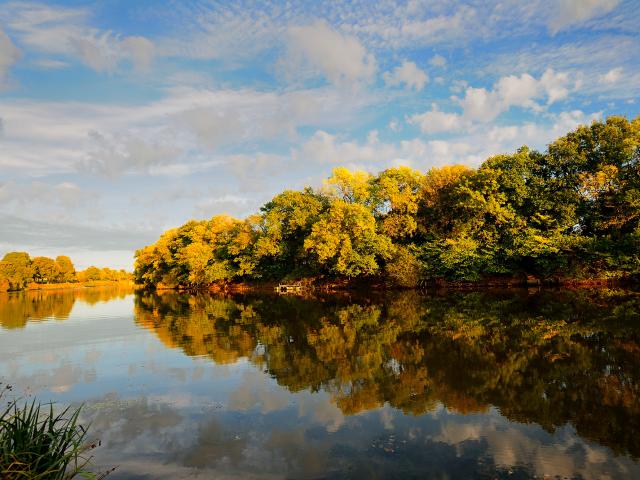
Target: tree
(403,268)
(572,210)
(45,270)
(434,216)
(351,186)
(66,270)
(397,194)
(345,240)
(286,221)
(16,268)
(92,274)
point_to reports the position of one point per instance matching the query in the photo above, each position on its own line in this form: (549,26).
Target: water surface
(493,384)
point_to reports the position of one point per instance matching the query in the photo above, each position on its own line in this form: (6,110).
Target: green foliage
(346,242)
(37,443)
(403,268)
(397,193)
(570,212)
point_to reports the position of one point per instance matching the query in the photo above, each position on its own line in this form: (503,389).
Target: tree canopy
(572,211)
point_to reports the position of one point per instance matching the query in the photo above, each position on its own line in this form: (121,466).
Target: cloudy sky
(121,119)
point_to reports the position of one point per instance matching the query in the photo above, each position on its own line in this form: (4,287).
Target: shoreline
(377,285)
(35,287)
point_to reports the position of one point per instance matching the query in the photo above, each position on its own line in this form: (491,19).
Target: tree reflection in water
(550,357)
(18,308)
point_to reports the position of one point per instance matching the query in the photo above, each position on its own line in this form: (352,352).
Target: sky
(120,119)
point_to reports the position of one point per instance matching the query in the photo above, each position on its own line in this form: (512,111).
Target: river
(490,384)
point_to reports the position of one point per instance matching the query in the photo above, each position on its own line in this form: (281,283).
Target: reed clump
(38,443)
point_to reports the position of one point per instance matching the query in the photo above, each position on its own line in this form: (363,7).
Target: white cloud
(458,86)
(141,50)
(409,74)
(586,61)
(112,155)
(435,121)
(374,155)
(571,12)
(50,64)
(206,33)
(480,104)
(320,50)
(555,85)
(323,147)
(98,52)
(441,28)
(470,147)
(612,76)
(517,91)
(9,54)
(228,204)
(438,61)
(65,195)
(85,244)
(187,123)
(64,32)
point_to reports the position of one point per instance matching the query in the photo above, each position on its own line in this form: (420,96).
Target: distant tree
(92,274)
(16,268)
(45,270)
(66,270)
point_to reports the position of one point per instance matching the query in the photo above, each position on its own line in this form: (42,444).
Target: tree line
(18,270)
(571,211)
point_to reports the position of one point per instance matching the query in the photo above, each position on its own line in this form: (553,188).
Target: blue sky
(121,119)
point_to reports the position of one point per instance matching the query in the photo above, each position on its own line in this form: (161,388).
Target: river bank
(74,285)
(379,284)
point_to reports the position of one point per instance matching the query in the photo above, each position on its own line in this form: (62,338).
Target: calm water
(460,385)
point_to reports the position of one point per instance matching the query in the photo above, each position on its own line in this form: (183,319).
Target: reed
(38,443)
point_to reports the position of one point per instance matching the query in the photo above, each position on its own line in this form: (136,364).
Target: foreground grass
(37,443)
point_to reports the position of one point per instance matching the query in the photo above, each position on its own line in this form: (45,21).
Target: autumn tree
(286,221)
(4,284)
(397,194)
(346,242)
(45,270)
(351,186)
(66,270)
(570,211)
(16,268)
